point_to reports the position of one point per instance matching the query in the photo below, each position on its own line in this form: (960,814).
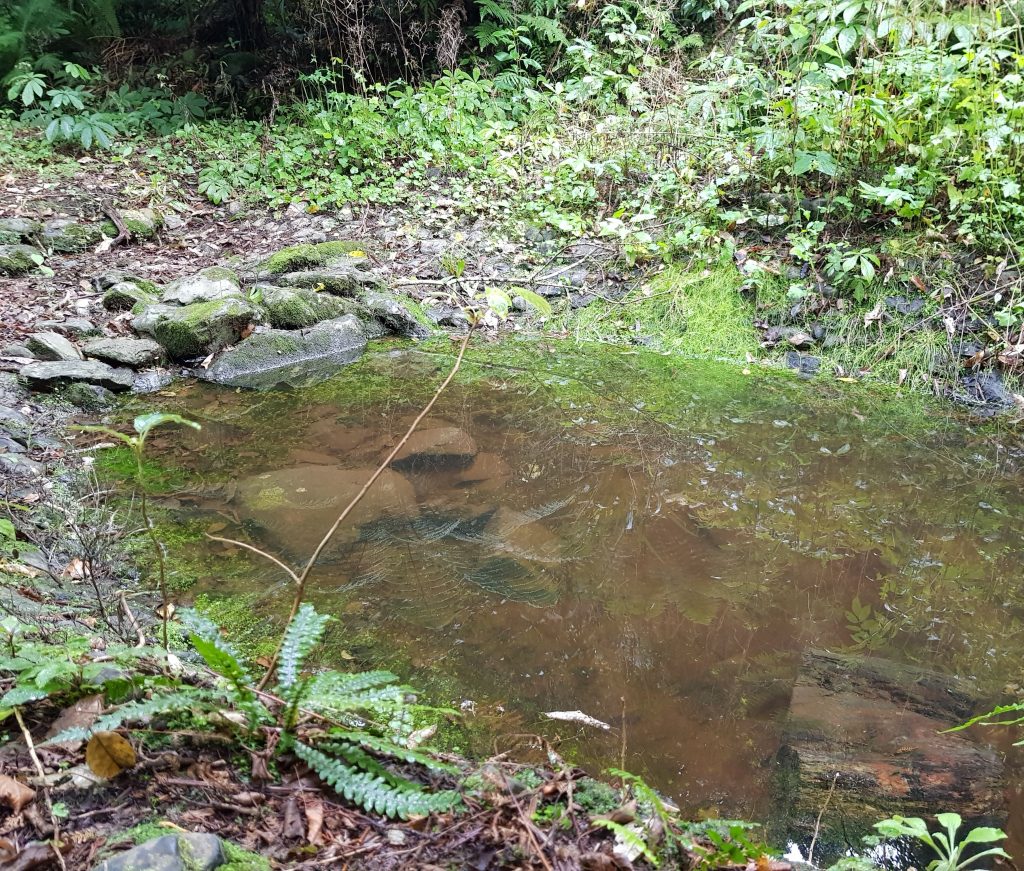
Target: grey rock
(448,316)
(20,466)
(985,392)
(69,327)
(107,279)
(52,346)
(125,295)
(274,358)
(9,445)
(142,223)
(13,230)
(173,221)
(805,364)
(581,300)
(151,381)
(128,352)
(291,308)
(12,419)
(17,259)
(402,317)
(184,851)
(12,391)
(433,246)
(17,349)
(905,306)
(47,375)
(791,335)
(67,236)
(208,285)
(343,278)
(90,397)
(199,329)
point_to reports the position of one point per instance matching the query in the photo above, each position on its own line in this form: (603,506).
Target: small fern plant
(353,730)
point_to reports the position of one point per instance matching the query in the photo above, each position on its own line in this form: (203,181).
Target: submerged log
(864,739)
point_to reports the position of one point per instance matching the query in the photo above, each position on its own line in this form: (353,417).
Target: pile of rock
(301,314)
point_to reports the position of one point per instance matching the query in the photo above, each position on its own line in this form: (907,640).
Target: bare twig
(55,842)
(817,822)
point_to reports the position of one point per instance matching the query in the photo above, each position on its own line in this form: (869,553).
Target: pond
(663,545)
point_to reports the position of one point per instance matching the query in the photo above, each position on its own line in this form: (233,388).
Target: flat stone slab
(272,358)
(127,352)
(206,286)
(436,449)
(52,346)
(187,851)
(47,375)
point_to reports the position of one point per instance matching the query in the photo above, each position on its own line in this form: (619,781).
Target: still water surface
(655,544)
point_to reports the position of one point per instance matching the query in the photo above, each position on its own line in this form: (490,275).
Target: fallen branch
(55,841)
(124,235)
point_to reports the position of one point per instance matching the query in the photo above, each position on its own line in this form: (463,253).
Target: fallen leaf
(918,283)
(14,793)
(163,612)
(108,754)
(314,821)
(421,735)
(81,715)
(75,570)
(291,828)
(875,315)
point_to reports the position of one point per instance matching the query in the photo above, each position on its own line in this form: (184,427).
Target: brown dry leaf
(918,283)
(81,715)
(108,754)
(14,793)
(291,829)
(75,570)
(314,821)
(167,612)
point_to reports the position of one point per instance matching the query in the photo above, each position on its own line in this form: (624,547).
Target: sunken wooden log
(863,740)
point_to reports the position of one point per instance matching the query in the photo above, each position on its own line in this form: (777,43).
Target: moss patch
(16,259)
(294,308)
(197,329)
(296,258)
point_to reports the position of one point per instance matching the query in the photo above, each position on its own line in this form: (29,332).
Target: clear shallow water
(653,543)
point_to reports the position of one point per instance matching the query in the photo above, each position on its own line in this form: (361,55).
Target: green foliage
(1002,715)
(950,852)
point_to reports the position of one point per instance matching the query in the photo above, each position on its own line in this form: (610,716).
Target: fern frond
(334,692)
(219,654)
(300,637)
(630,838)
(371,791)
(21,696)
(193,699)
(546,28)
(497,12)
(390,748)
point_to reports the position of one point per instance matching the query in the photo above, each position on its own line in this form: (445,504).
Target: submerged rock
(52,346)
(874,729)
(128,352)
(47,375)
(17,259)
(805,364)
(296,506)
(985,393)
(273,358)
(181,851)
(210,284)
(199,329)
(436,449)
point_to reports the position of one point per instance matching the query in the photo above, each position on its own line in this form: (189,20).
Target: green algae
(297,258)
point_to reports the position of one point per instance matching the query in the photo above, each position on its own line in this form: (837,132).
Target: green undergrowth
(694,314)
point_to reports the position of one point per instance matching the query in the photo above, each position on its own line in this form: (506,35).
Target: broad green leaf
(983,835)
(535,300)
(847,39)
(145,422)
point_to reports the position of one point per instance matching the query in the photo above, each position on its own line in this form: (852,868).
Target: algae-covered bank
(772,595)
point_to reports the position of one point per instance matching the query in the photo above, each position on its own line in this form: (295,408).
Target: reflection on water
(661,571)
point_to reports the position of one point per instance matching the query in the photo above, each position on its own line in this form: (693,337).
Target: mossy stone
(14,230)
(212,283)
(198,329)
(300,257)
(68,236)
(126,295)
(17,259)
(293,308)
(401,315)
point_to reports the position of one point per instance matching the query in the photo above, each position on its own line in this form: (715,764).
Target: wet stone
(401,317)
(128,352)
(434,449)
(187,851)
(199,329)
(90,397)
(52,346)
(151,381)
(47,375)
(805,364)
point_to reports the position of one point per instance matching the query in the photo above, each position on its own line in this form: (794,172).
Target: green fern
(390,748)
(371,791)
(303,634)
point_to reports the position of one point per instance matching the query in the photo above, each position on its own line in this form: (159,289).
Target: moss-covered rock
(14,230)
(17,259)
(290,357)
(292,308)
(142,223)
(125,295)
(212,283)
(300,257)
(67,236)
(400,315)
(199,329)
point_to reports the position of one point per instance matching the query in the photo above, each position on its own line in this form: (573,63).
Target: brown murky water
(655,544)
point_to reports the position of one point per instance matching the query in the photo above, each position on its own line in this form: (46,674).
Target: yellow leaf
(108,754)
(357,253)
